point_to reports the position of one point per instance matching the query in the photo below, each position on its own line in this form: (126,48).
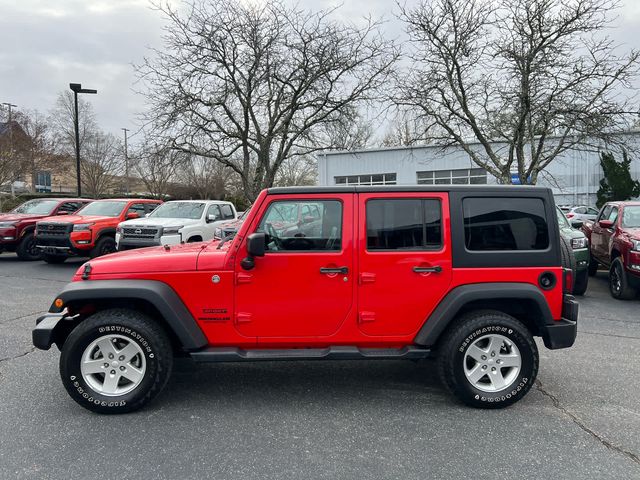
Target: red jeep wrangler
(18,225)
(614,239)
(470,273)
(91,231)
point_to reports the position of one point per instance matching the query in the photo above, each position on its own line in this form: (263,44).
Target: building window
(462,176)
(373,179)
(43,182)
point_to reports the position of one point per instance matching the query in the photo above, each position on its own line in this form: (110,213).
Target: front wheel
(104,246)
(26,249)
(581,282)
(619,283)
(488,359)
(116,361)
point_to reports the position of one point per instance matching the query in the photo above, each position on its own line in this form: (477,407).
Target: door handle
(434,269)
(342,270)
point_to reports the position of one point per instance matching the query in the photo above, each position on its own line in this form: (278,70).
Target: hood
(633,232)
(232,224)
(160,222)
(16,217)
(177,258)
(570,233)
(78,219)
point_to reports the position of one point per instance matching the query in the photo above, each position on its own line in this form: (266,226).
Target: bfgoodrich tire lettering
(454,349)
(132,328)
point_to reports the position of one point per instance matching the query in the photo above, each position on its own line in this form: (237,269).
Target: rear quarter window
(494,224)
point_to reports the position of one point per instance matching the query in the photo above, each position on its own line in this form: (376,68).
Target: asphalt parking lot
(331,420)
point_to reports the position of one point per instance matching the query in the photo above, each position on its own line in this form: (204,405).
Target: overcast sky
(46,44)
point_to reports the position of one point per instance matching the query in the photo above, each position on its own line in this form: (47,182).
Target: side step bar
(231,354)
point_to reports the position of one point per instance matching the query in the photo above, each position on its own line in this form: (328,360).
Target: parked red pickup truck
(614,238)
(91,231)
(467,273)
(18,225)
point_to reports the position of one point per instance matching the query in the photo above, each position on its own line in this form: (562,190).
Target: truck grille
(140,232)
(54,229)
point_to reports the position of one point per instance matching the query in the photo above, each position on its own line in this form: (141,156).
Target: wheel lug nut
(121,358)
(113,372)
(493,354)
(111,356)
(493,369)
(484,367)
(106,365)
(484,357)
(122,369)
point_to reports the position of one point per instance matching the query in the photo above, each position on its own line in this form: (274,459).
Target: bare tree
(297,171)
(101,162)
(158,167)
(252,85)
(349,132)
(39,152)
(405,130)
(205,177)
(537,76)
(61,119)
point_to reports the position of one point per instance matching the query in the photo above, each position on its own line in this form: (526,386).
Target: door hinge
(366,277)
(242,317)
(366,317)
(243,278)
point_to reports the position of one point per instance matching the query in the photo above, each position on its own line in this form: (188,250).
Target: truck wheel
(26,249)
(54,259)
(581,282)
(104,246)
(593,266)
(116,361)
(619,283)
(488,359)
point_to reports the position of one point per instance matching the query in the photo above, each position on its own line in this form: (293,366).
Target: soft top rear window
(494,223)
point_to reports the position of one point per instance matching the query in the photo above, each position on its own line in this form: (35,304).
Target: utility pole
(77,88)
(126,162)
(10,124)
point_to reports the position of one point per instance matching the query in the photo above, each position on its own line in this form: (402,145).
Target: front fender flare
(158,294)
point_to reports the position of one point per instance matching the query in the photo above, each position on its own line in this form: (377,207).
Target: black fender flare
(110,231)
(459,297)
(159,294)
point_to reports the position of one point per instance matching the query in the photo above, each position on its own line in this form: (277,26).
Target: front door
(303,286)
(600,236)
(405,260)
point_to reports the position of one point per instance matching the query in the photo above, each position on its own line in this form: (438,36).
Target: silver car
(580,213)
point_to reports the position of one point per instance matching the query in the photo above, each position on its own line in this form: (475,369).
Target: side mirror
(606,223)
(255,244)
(577,223)
(212,218)
(146,215)
(132,215)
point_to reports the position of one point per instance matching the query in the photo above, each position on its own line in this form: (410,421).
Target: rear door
(405,260)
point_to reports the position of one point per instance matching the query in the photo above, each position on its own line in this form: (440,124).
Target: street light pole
(77,88)
(126,161)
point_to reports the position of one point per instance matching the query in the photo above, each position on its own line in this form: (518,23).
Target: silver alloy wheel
(492,363)
(113,365)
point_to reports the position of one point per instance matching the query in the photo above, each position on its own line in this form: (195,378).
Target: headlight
(636,245)
(577,243)
(82,227)
(172,230)
(7,224)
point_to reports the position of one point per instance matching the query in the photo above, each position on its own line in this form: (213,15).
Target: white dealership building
(574,176)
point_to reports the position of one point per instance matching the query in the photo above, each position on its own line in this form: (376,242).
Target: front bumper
(126,243)
(47,330)
(562,333)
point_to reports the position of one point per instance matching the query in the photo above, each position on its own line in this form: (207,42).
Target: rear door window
(492,224)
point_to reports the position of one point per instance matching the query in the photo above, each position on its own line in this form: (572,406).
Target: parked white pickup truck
(172,223)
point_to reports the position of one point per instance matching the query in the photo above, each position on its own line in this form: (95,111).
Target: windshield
(189,210)
(36,207)
(631,216)
(562,220)
(103,209)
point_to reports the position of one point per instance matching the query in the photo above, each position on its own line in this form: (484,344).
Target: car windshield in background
(562,220)
(103,209)
(36,207)
(631,216)
(189,210)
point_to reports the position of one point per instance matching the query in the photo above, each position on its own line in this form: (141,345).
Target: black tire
(593,266)
(26,249)
(568,258)
(133,327)
(54,259)
(581,282)
(104,246)
(461,336)
(619,283)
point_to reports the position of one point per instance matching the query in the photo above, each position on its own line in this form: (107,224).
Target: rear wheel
(116,361)
(104,246)
(619,283)
(54,259)
(488,359)
(581,282)
(593,266)
(26,249)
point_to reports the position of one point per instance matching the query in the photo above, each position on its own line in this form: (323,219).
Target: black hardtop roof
(498,189)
